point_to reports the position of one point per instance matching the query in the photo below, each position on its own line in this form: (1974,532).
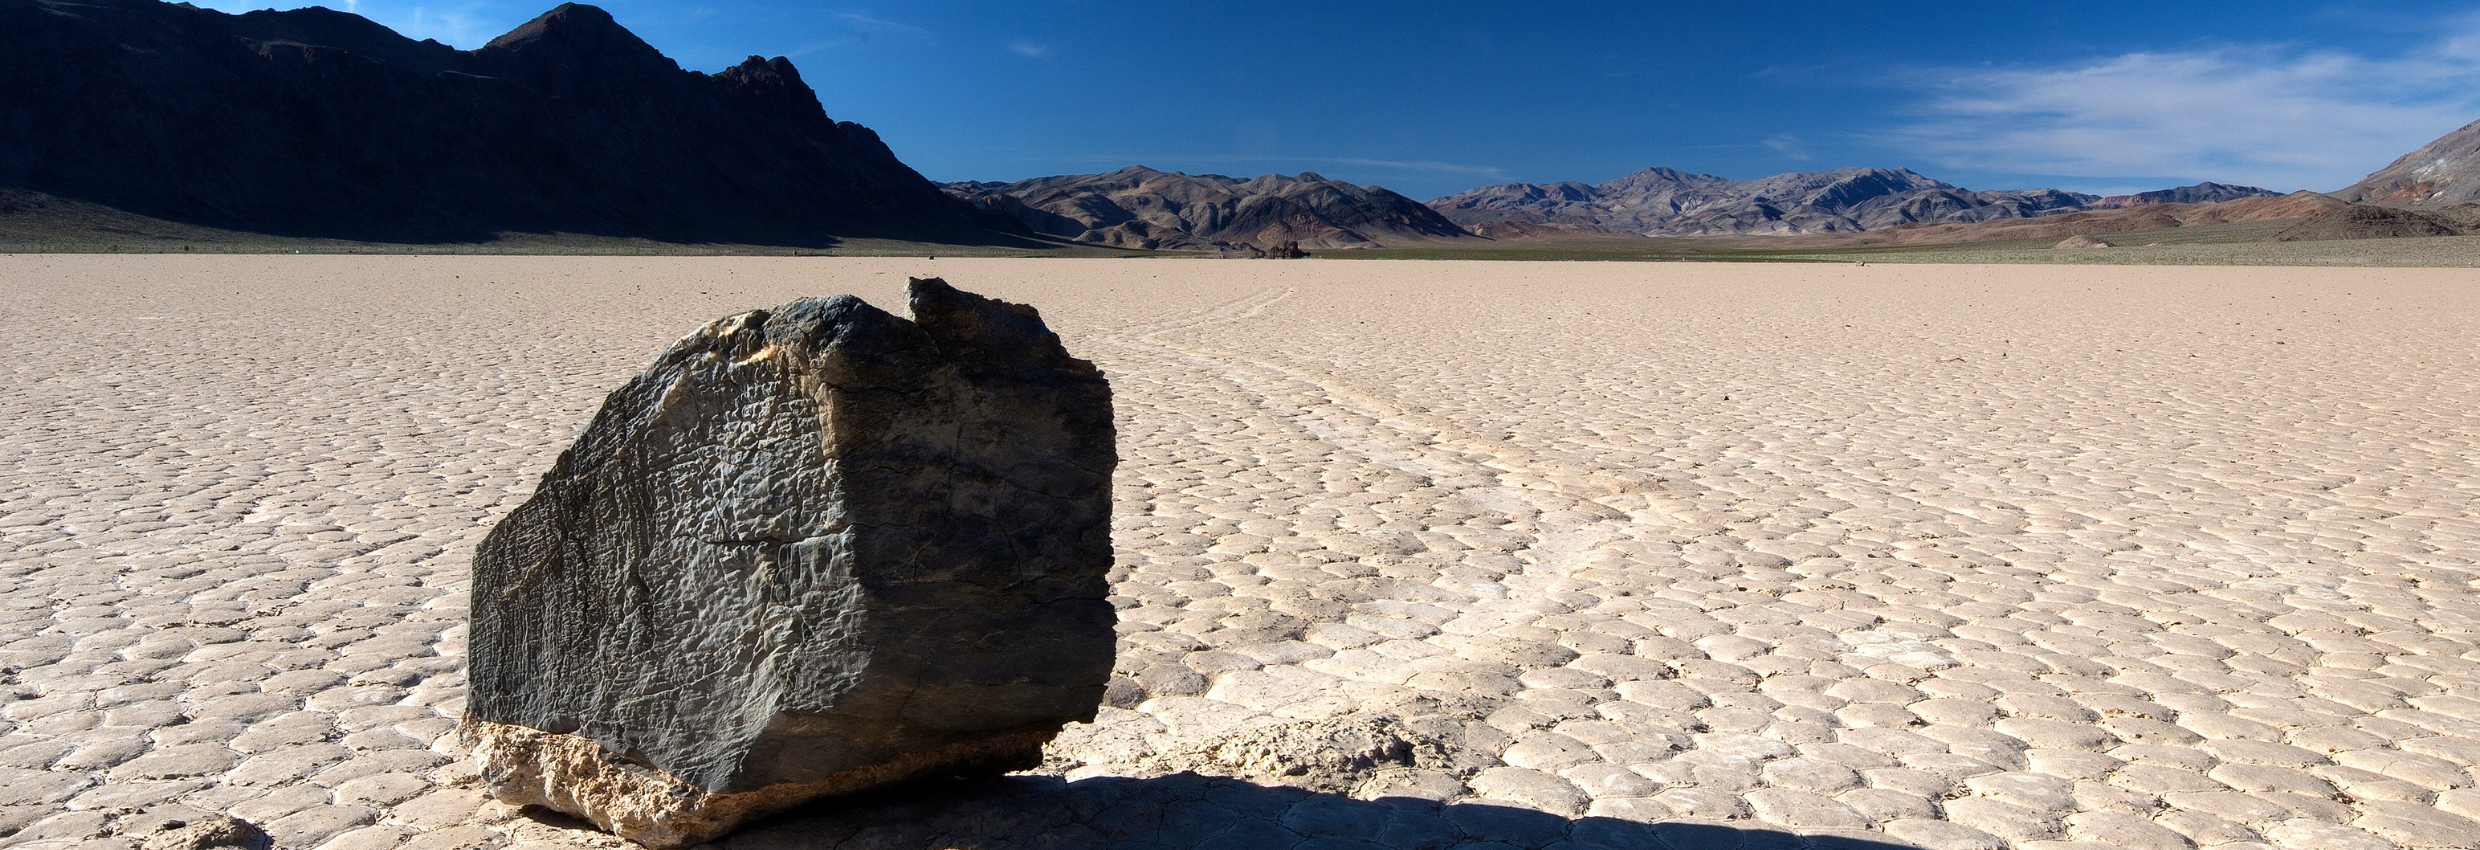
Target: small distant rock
(1288,249)
(218,832)
(2082,242)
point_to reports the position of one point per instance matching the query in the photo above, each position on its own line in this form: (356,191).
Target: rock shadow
(1187,810)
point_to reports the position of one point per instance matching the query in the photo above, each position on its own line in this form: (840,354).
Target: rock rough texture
(810,550)
(2082,242)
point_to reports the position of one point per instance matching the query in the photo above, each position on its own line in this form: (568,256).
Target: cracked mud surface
(1609,554)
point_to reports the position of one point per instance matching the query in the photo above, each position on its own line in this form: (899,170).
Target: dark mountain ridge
(1668,202)
(1139,207)
(320,123)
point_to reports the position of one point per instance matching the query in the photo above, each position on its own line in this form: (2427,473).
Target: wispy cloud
(857,29)
(869,23)
(2267,115)
(1416,165)
(1789,146)
(1030,50)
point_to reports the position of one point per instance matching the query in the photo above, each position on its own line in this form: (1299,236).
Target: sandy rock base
(214,832)
(529,767)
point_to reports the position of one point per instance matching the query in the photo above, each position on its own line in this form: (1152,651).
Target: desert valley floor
(1676,554)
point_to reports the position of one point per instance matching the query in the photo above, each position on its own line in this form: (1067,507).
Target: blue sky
(1433,97)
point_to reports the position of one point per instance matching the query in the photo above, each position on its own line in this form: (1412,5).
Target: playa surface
(1760,555)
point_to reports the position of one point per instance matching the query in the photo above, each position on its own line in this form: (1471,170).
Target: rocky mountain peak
(772,86)
(321,123)
(1657,178)
(576,50)
(575,26)
(319,26)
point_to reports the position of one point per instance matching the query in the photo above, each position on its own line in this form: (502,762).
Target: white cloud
(1789,146)
(1029,50)
(860,28)
(2271,116)
(1417,165)
(868,23)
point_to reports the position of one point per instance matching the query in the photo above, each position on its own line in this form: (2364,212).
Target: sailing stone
(811,550)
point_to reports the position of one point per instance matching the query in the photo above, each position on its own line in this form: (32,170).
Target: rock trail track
(1643,555)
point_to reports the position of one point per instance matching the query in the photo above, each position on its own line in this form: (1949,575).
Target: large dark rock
(319,123)
(810,550)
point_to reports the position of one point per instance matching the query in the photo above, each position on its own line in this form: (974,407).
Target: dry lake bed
(1686,555)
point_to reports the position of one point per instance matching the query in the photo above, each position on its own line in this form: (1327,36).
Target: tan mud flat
(1928,556)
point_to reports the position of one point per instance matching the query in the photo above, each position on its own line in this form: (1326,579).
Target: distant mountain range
(2201,193)
(1667,202)
(1139,207)
(319,123)
(2125,218)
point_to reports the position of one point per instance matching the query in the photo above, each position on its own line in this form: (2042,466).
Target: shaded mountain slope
(1667,202)
(323,124)
(2441,173)
(1139,207)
